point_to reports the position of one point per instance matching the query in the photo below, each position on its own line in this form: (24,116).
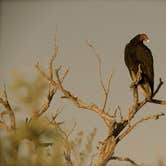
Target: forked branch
(80,103)
(53,86)
(106,89)
(8,111)
(117,129)
(136,106)
(132,126)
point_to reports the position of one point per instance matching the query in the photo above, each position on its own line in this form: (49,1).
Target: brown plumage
(136,53)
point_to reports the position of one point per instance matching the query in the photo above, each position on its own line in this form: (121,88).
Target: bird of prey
(138,58)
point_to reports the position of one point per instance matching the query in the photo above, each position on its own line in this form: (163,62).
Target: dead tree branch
(138,105)
(80,103)
(66,135)
(133,111)
(67,145)
(118,129)
(131,127)
(52,89)
(156,101)
(106,89)
(53,59)
(125,159)
(8,111)
(158,87)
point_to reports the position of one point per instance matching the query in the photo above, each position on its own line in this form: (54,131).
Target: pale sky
(27,31)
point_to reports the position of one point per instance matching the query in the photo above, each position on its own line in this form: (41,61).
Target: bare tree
(118,126)
(117,129)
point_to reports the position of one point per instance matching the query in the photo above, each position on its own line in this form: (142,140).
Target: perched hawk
(138,56)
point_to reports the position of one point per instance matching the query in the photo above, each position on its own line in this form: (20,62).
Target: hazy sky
(27,31)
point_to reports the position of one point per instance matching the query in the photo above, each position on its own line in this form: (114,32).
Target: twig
(67,146)
(65,140)
(120,113)
(118,109)
(51,92)
(52,60)
(156,101)
(158,87)
(43,74)
(107,92)
(72,129)
(131,127)
(100,66)
(124,159)
(105,89)
(54,117)
(59,110)
(8,111)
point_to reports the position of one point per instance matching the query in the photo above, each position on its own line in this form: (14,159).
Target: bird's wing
(131,60)
(145,59)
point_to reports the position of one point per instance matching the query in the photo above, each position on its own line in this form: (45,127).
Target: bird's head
(143,37)
(140,38)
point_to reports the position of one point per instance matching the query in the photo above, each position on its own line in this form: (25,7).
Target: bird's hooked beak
(144,37)
(147,40)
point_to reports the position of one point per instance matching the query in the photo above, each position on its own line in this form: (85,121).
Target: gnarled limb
(135,108)
(80,103)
